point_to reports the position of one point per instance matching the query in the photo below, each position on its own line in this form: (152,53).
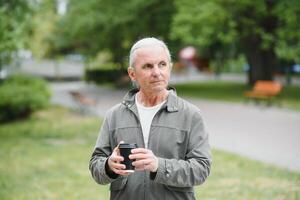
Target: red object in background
(188,57)
(188,53)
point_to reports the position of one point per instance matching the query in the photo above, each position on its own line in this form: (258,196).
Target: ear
(131,73)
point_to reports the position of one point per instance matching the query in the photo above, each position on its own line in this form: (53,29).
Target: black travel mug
(125,151)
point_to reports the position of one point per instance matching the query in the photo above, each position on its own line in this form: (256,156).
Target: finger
(142,165)
(115,165)
(116,149)
(138,166)
(140,150)
(122,172)
(142,153)
(143,162)
(116,158)
(114,162)
(139,169)
(121,142)
(138,156)
(115,152)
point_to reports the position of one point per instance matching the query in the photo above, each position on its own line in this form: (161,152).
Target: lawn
(233,92)
(46,157)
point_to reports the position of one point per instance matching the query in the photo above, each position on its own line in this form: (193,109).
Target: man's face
(151,69)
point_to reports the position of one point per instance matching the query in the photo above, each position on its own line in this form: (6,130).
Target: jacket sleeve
(98,162)
(195,168)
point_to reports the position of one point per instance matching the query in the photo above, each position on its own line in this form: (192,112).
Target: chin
(159,88)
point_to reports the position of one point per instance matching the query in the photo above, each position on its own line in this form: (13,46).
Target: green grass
(237,178)
(233,92)
(46,157)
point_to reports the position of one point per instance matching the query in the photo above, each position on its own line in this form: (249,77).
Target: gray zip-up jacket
(177,137)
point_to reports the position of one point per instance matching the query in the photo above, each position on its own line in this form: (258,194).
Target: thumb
(116,149)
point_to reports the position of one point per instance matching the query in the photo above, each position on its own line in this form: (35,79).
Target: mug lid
(128,145)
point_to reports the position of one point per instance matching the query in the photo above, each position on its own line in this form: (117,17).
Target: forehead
(150,54)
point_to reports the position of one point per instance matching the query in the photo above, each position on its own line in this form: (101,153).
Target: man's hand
(144,160)
(114,162)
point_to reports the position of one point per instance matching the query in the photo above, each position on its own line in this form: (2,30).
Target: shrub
(21,95)
(106,75)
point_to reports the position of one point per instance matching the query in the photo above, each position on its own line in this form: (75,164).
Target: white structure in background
(188,56)
(61,6)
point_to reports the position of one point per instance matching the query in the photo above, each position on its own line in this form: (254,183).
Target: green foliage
(107,75)
(92,26)
(289,34)
(43,26)
(14,27)
(207,24)
(22,95)
(103,60)
(202,23)
(236,65)
(263,31)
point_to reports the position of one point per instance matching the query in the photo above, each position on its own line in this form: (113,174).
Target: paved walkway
(268,134)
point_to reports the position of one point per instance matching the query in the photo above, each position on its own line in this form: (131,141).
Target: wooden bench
(264,90)
(84,103)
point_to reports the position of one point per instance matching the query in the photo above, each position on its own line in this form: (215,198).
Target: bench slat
(264,90)
(82,99)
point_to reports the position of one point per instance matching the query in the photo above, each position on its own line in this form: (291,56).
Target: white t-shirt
(146,115)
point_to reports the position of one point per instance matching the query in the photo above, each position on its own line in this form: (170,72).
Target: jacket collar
(171,104)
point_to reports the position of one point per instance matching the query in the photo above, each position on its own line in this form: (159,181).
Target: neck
(149,99)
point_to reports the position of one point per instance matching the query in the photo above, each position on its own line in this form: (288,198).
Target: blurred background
(63,65)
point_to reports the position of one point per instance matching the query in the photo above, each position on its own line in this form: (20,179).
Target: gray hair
(149,41)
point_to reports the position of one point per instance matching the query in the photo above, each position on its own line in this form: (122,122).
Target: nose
(155,70)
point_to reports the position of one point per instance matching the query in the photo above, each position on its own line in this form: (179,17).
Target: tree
(14,27)
(256,29)
(95,25)
(43,20)
(288,45)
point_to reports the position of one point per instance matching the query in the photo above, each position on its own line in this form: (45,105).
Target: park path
(268,134)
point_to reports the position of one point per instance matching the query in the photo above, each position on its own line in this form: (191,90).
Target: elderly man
(173,153)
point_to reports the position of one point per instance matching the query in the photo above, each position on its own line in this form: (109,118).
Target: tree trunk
(118,53)
(262,62)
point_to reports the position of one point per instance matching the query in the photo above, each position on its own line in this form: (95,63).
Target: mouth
(157,81)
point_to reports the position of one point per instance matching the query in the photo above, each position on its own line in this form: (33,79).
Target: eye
(147,66)
(162,64)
